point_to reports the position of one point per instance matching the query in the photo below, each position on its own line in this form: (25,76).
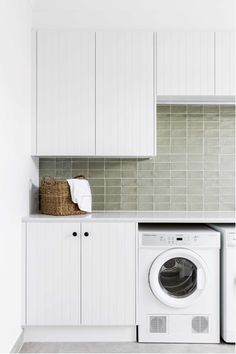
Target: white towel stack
(81,193)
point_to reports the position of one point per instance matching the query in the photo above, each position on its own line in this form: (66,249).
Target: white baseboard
(80,334)
(18,344)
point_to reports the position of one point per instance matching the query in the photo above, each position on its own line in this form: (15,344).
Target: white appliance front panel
(207,303)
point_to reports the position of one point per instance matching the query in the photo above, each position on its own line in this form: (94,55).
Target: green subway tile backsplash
(194,169)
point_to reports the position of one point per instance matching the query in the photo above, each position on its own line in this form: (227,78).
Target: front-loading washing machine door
(177,277)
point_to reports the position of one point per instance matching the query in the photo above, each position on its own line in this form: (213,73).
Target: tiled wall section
(193,169)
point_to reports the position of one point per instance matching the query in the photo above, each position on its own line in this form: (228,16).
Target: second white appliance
(178,284)
(228,281)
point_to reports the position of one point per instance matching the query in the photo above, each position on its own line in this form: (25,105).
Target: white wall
(16,166)
(136,14)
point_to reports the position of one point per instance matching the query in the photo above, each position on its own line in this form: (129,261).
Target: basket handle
(80,177)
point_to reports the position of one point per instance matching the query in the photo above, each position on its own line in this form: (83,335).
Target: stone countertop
(140,217)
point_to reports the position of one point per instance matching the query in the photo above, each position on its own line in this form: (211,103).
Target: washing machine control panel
(177,240)
(167,240)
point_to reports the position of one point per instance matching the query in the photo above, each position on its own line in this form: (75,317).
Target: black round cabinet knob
(74,234)
(86,234)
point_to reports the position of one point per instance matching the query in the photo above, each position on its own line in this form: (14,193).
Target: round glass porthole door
(177,277)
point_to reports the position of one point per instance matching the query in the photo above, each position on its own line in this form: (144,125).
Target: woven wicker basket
(55,198)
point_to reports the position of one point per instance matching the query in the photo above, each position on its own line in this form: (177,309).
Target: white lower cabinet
(108,274)
(80,274)
(52,274)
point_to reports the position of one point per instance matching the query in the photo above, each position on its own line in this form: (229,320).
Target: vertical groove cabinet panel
(125,97)
(108,274)
(65,92)
(52,274)
(225,62)
(185,63)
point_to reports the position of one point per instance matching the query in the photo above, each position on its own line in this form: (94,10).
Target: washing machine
(228,281)
(178,283)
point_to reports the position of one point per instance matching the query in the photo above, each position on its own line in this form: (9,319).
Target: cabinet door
(65,92)
(125,109)
(225,63)
(108,274)
(53,274)
(185,63)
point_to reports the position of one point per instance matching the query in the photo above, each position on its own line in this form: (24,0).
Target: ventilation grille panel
(157,324)
(200,324)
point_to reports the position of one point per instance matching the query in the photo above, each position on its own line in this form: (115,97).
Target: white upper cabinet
(94,96)
(65,93)
(185,63)
(95,93)
(108,274)
(52,274)
(225,62)
(125,97)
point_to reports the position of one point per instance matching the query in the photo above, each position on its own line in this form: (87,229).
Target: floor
(125,348)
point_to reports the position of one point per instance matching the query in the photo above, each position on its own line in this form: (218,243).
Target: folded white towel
(81,193)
